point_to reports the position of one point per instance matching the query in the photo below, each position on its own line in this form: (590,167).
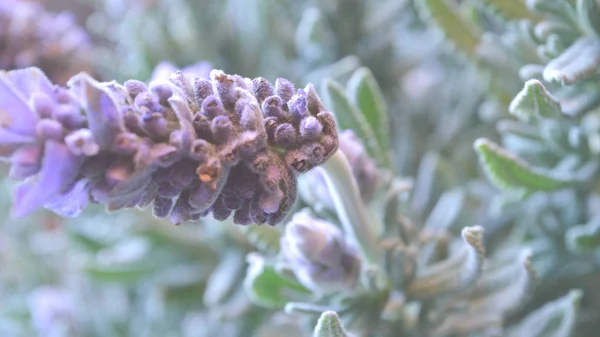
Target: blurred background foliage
(493,119)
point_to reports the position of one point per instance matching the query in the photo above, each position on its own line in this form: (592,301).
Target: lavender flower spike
(319,254)
(186,145)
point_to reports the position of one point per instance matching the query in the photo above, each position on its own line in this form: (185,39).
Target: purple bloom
(53,41)
(319,254)
(188,146)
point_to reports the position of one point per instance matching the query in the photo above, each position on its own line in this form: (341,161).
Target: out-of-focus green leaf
(266,287)
(363,90)
(584,238)
(555,319)
(348,116)
(456,28)
(329,325)
(511,173)
(589,12)
(579,62)
(513,9)
(534,101)
(129,273)
(224,278)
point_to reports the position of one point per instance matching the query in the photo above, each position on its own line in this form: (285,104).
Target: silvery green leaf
(555,319)
(224,279)
(534,101)
(266,287)
(580,61)
(433,177)
(312,34)
(456,29)
(512,9)
(456,273)
(505,288)
(329,325)
(400,263)
(446,210)
(348,116)
(365,93)
(589,12)
(511,173)
(584,238)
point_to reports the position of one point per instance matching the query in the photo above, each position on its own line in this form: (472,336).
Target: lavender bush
(432,172)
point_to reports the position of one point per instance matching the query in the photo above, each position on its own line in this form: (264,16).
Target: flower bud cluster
(53,41)
(186,145)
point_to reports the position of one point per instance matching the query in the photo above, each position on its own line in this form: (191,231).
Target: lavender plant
(395,231)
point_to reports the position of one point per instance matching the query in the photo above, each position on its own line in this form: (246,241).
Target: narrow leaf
(456,28)
(348,116)
(329,325)
(512,9)
(534,101)
(555,319)
(580,61)
(589,12)
(511,173)
(366,94)
(267,288)
(584,238)
(454,274)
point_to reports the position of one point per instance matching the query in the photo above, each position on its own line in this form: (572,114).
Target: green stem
(353,214)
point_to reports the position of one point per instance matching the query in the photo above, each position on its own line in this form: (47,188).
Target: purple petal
(71,204)
(59,168)
(30,80)
(8,137)
(162,71)
(200,69)
(15,113)
(103,115)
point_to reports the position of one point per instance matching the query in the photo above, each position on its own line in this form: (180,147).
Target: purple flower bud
(262,89)
(162,207)
(202,195)
(284,89)
(319,254)
(202,126)
(69,116)
(163,91)
(212,107)
(222,129)
(202,89)
(49,129)
(125,143)
(242,215)
(225,87)
(285,136)
(146,99)
(219,211)
(272,108)
(154,124)
(297,105)
(201,150)
(135,87)
(42,104)
(81,142)
(310,128)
